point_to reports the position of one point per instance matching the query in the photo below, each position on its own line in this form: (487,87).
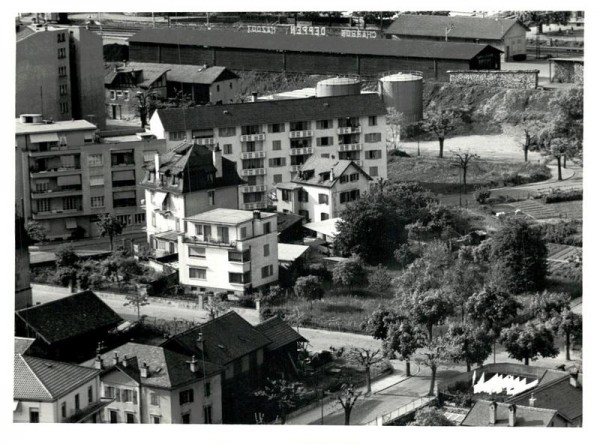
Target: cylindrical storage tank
(403,91)
(338,86)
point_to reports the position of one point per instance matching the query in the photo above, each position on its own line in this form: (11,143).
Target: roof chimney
(256,214)
(218,161)
(156,165)
(512,415)
(200,342)
(98,363)
(193,364)
(332,177)
(124,362)
(493,408)
(115,360)
(144,370)
(573,374)
(532,401)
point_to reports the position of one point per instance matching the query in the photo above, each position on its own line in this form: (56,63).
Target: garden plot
(562,259)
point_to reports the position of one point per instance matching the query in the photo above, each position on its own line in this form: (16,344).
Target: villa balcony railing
(252,137)
(56,192)
(254,172)
(56,151)
(300,134)
(254,188)
(349,130)
(212,241)
(254,205)
(350,147)
(253,155)
(55,214)
(35,172)
(301,151)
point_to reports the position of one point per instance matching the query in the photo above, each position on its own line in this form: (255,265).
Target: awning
(70,223)
(46,137)
(62,181)
(124,195)
(124,175)
(159,197)
(326,227)
(149,155)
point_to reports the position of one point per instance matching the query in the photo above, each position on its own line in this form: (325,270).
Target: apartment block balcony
(254,205)
(301,151)
(350,147)
(209,241)
(35,173)
(239,257)
(349,130)
(295,168)
(55,151)
(57,214)
(254,188)
(254,172)
(301,134)
(252,137)
(56,192)
(253,155)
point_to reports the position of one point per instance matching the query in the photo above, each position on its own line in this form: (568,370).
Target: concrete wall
(504,79)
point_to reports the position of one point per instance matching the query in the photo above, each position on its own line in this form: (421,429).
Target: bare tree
(136,301)
(347,397)
(366,359)
(462,160)
(440,122)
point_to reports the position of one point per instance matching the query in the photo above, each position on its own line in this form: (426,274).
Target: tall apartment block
(64,179)
(270,140)
(60,74)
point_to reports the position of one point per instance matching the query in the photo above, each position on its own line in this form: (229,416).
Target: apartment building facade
(225,250)
(322,189)
(60,74)
(188,180)
(153,385)
(271,140)
(64,179)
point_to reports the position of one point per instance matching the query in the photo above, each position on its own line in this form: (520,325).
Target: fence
(402,411)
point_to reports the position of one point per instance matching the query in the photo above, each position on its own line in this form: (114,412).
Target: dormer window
(324,176)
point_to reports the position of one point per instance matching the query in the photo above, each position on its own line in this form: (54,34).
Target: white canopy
(326,227)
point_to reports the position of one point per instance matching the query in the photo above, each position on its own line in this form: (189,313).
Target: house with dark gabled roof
(322,188)
(189,179)
(154,385)
(232,343)
(282,352)
(52,391)
(507,35)
(69,328)
(500,414)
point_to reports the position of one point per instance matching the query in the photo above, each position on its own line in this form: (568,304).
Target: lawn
(441,177)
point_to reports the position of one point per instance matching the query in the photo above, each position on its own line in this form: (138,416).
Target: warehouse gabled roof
(270,111)
(462,27)
(189,73)
(311,44)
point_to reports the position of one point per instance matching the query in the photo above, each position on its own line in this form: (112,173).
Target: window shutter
(135,396)
(191,395)
(118,394)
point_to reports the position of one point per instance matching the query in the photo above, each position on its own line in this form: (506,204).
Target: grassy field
(441,177)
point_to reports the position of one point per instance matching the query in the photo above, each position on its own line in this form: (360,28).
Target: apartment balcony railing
(35,172)
(295,168)
(56,192)
(212,241)
(301,151)
(55,151)
(350,147)
(253,155)
(55,214)
(254,172)
(349,130)
(254,188)
(301,134)
(252,137)
(254,205)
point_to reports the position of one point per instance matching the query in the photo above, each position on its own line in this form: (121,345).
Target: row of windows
(120,394)
(119,93)
(69,203)
(353,177)
(300,143)
(62,53)
(349,196)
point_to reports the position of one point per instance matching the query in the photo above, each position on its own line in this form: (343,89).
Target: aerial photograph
(339,218)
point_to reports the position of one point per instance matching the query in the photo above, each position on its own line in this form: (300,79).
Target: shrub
(318,270)
(321,358)
(350,273)
(268,312)
(562,196)
(309,288)
(481,195)
(404,255)
(398,153)
(564,232)
(273,296)
(246,301)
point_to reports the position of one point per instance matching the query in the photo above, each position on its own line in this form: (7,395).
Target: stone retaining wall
(504,79)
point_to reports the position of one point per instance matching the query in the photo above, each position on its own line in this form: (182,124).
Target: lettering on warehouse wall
(262,29)
(357,33)
(308,30)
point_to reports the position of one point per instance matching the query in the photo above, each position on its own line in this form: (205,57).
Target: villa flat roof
(67,125)
(227,216)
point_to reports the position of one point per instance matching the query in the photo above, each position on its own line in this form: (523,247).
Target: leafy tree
(427,308)
(110,226)
(36,231)
(283,394)
(426,272)
(347,397)
(529,341)
(471,344)
(404,255)
(547,305)
(552,145)
(440,123)
(110,268)
(217,305)
(463,279)
(395,122)
(136,301)
(541,18)
(402,340)
(66,256)
(129,267)
(529,140)
(145,104)
(366,358)
(430,417)
(309,288)
(570,326)
(380,280)
(492,308)
(377,323)
(374,226)
(567,106)
(462,160)
(435,352)
(519,252)
(350,273)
